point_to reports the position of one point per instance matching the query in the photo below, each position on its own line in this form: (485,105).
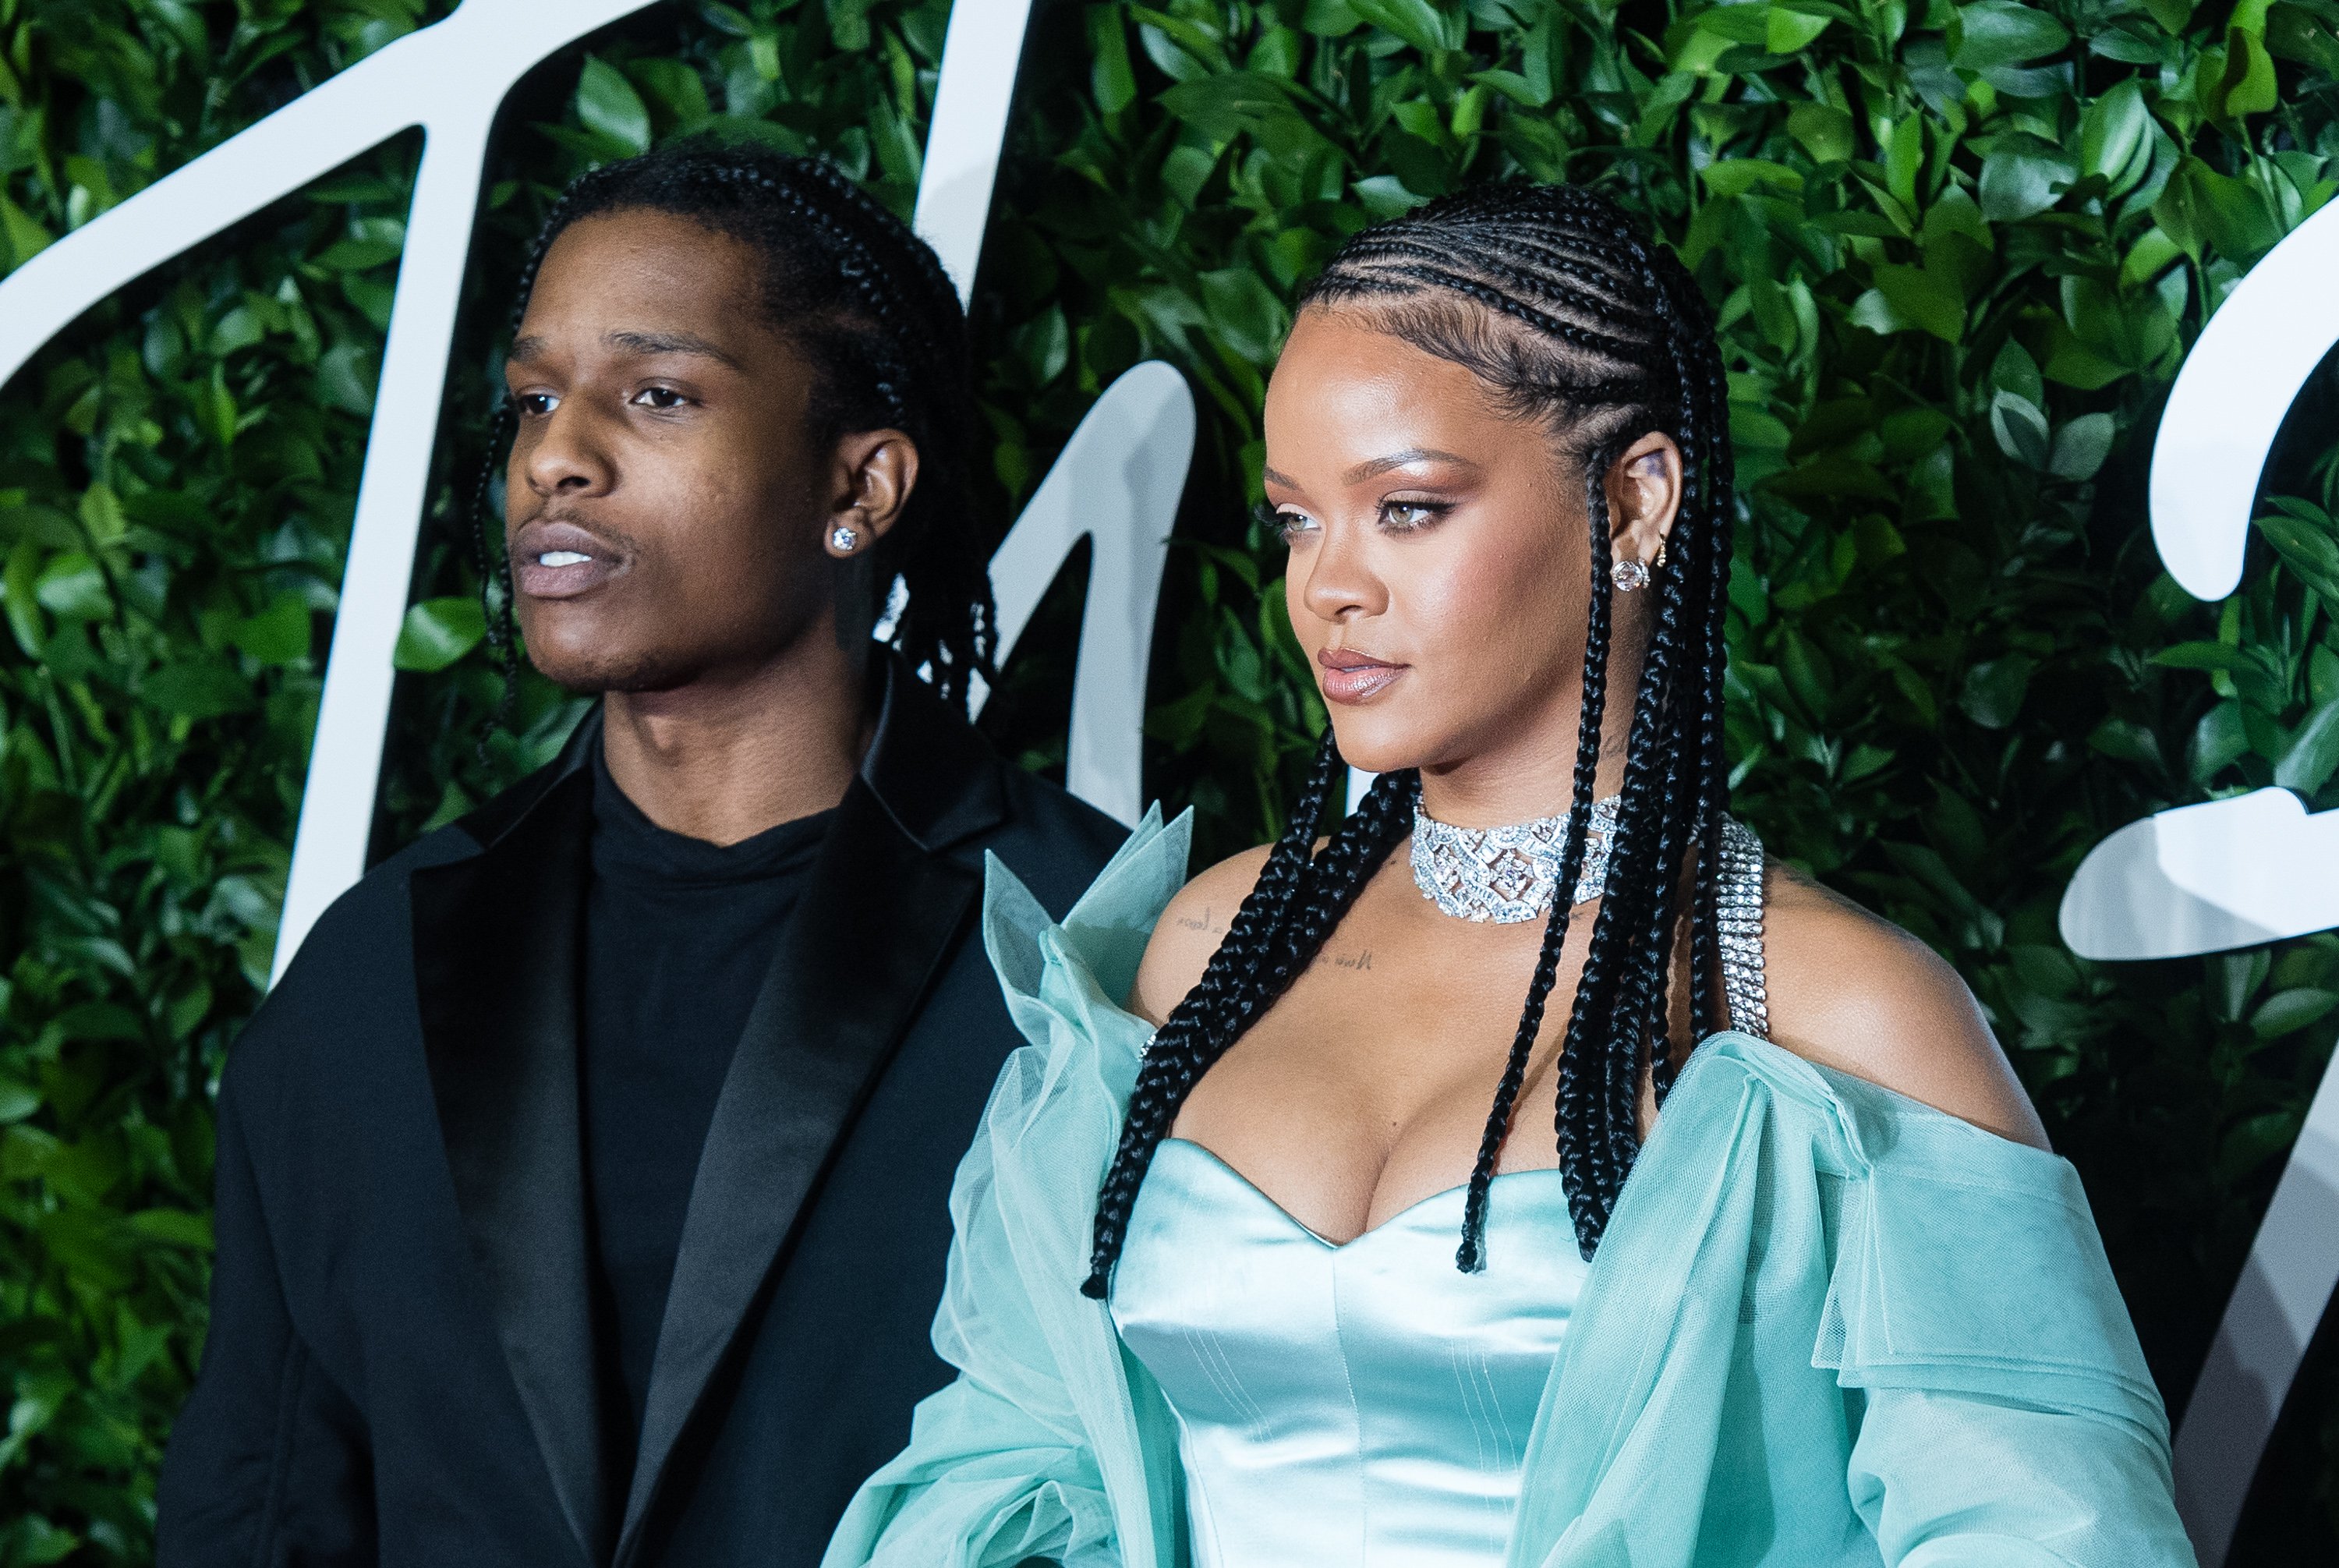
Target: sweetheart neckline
(1326,1242)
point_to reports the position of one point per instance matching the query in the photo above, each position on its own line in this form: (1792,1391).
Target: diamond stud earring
(1628,574)
(843,540)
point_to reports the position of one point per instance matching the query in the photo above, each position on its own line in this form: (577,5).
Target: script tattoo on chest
(1211,923)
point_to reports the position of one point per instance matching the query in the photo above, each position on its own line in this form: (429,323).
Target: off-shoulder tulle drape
(1053,1445)
(1827,1325)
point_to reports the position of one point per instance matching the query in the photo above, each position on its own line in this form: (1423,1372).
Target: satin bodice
(1365,1404)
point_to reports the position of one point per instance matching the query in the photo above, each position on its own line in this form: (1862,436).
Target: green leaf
(438,632)
(2314,754)
(2309,545)
(1824,131)
(174,1227)
(2081,447)
(1790,32)
(1737,176)
(198,688)
(1225,106)
(2116,135)
(25,618)
(33,1541)
(73,585)
(1428,27)
(2131,330)
(2013,371)
(2021,429)
(2152,254)
(2000,33)
(2023,175)
(848,24)
(346,376)
(2254,1140)
(2200,656)
(1330,18)
(2294,32)
(1993,692)
(1112,78)
(18,1100)
(2288,1012)
(1244,312)
(277,635)
(1385,196)
(608,105)
(2204,211)
(26,239)
(2246,85)
(1923,299)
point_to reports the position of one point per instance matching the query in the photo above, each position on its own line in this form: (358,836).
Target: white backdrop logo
(2237,872)
(1117,481)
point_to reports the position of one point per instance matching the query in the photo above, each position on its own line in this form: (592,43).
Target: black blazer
(399,1367)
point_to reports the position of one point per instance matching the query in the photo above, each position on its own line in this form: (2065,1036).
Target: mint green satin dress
(1366,1402)
(1827,1327)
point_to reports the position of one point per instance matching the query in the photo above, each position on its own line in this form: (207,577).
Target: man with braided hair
(582,1188)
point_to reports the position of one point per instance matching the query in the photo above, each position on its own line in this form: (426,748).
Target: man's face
(665,507)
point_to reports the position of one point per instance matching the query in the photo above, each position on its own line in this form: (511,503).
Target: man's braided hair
(867,303)
(1558,301)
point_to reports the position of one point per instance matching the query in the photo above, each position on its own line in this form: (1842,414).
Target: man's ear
(872,475)
(1645,495)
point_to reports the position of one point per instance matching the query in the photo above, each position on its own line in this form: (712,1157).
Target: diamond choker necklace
(1506,875)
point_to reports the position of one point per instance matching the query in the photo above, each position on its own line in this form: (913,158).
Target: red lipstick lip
(1349,678)
(542,537)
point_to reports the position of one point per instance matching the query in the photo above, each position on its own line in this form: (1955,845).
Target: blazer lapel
(496,966)
(875,924)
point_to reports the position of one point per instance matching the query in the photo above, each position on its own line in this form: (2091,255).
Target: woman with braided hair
(1271,1266)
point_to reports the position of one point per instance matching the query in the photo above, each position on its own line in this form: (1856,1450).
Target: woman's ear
(873,473)
(1644,494)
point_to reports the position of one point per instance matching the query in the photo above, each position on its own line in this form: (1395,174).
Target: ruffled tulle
(1827,1325)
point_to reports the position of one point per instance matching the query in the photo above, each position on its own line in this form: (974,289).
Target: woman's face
(1440,575)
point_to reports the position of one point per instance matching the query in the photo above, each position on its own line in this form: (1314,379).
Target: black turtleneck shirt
(678,936)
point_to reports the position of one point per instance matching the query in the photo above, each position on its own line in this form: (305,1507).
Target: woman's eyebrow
(1378,466)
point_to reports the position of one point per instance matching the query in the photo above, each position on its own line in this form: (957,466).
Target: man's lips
(1349,676)
(559,560)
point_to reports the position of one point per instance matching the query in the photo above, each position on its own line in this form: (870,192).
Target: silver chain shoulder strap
(1738,903)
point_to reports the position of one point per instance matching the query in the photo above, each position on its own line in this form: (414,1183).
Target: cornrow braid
(1559,304)
(1296,900)
(494,569)
(867,304)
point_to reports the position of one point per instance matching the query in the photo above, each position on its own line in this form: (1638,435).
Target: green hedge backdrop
(1958,252)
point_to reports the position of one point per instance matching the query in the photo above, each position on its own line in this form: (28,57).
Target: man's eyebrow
(670,344)
(1378,466)
(523,349)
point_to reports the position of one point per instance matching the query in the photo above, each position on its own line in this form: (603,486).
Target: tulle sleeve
(1048,1446)
(1830,1325)
(2005,1416)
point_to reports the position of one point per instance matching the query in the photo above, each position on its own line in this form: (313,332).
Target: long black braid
(1557,301)
(869,306)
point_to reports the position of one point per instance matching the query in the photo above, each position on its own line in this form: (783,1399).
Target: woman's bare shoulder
(1855,993)
(1189,931)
